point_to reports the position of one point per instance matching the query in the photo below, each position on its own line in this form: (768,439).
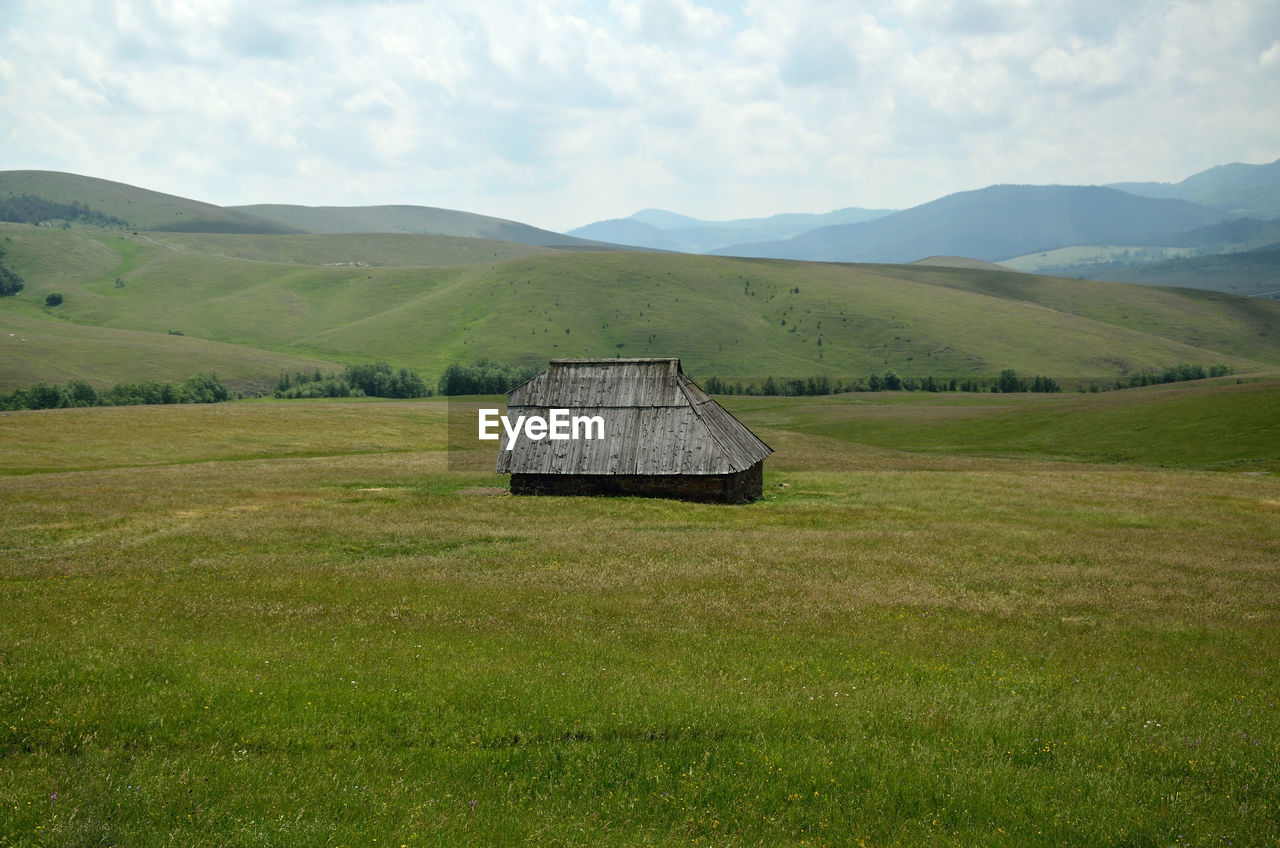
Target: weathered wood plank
(657,422)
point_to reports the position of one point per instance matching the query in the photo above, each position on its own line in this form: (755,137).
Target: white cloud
(669,20)
(564,112)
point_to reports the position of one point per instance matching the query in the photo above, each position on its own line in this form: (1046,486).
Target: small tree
(1009,381)
(10,282)
(53,299)
(80,393)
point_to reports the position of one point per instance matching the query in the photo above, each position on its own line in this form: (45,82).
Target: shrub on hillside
(203,388)
(29,209)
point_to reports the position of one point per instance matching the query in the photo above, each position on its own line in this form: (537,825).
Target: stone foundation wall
(741,487)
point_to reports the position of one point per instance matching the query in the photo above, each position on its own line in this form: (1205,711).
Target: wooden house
(659,435)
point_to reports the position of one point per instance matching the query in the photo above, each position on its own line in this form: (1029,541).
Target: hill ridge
(155,210)
(413,219)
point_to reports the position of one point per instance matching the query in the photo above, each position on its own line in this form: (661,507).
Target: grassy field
(433,300)
(1221,424)
(287,623)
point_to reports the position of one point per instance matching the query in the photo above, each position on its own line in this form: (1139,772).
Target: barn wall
(722,488)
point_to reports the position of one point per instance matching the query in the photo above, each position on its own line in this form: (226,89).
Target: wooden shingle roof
(656,421)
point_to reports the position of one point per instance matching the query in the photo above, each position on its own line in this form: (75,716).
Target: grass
(287,623)
(725,317)
(371,249)
(34,349)
(1227,423)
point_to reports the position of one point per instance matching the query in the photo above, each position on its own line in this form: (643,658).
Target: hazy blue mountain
(663,230)
(628,231)
(994,223)
(1237,188)
(662,219)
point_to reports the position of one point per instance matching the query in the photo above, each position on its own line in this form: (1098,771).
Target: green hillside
(385,249)
(725,317)
(412,219)
(35,349)
(1243,326)
(141,208)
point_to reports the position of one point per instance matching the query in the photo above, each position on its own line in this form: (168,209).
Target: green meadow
(952,620)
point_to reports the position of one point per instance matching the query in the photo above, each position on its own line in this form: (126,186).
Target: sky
(562,113)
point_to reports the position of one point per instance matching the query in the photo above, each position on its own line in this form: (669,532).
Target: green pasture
(283,623)
(1227,423)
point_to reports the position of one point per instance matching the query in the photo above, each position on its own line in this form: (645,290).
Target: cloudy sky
(564,112)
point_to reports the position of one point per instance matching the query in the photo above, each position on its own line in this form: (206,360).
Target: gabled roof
(656,420)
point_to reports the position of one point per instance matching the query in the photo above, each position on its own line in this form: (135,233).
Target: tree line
(484,377)
(376,379)
(29,209)
(1008,381)
(1177,374)
(203,388)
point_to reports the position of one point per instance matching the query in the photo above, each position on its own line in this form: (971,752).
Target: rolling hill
(727,317)
(142,209)
(995,223)
(139,207)
(413,219)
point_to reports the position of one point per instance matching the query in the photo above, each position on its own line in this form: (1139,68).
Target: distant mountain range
(662,230)
(994,223)
(998,223)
